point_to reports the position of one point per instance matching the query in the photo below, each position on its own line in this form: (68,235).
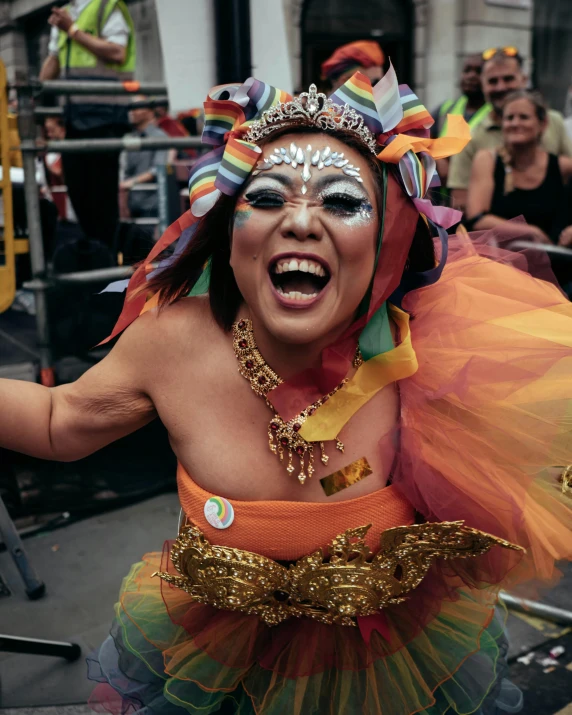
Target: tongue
(301,282)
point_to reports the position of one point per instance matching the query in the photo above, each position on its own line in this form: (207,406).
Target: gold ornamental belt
(336,589)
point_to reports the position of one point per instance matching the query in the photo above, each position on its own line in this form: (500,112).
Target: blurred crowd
(105,207)
(519,159)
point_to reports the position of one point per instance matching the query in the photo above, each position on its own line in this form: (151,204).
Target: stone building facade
(426,39)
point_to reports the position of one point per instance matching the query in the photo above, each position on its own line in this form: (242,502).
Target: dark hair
(211,244)
(534,97)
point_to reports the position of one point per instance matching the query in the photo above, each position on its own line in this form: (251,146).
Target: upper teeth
(305,266)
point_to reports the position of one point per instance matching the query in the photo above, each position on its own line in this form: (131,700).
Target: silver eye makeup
(345,199)
(341,198)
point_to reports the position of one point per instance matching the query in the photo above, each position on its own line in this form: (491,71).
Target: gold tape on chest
(346,477)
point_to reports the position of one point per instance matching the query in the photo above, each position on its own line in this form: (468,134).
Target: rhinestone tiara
(312,109)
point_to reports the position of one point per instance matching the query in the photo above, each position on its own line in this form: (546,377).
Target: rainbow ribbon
(225,169)
(392,112)
(401,124)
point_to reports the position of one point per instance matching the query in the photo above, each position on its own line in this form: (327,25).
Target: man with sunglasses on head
(502,74)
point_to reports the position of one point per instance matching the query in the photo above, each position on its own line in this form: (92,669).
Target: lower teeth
(296,295)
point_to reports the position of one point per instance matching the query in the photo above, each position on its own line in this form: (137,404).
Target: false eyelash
(258,198)
(343,202)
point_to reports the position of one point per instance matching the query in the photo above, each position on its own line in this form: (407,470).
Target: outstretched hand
(60,18)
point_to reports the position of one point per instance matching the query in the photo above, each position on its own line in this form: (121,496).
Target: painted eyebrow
(320,183)
(280,178)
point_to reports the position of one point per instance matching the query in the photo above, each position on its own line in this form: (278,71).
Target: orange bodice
(288,530)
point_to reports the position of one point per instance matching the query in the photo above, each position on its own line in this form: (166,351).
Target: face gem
(308,159)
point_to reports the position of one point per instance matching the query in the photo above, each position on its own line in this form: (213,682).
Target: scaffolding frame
(42,278)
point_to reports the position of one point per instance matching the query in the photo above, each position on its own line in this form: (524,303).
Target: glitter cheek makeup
(242,213)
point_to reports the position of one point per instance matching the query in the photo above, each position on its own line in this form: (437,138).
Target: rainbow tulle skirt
(168,655)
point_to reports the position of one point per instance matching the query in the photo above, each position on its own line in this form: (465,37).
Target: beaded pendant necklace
(284,439)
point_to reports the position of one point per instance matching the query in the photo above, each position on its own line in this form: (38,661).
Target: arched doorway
(327,24)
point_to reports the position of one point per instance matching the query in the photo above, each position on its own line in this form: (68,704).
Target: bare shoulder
(485,158)
(170,329)
(565,163)
(156,339)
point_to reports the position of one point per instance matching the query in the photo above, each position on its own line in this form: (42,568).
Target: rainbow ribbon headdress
(392,123)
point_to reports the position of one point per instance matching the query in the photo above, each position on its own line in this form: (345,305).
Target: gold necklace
(283,437)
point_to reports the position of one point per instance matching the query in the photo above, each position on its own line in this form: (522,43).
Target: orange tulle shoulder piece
(487,417)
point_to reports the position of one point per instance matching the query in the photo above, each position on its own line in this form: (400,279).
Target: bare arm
(102,49)
(143,178)
(481,188)
(50,68)
(565,163)
(71,421)
(479,200)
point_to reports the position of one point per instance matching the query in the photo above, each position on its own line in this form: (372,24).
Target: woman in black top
(521,179)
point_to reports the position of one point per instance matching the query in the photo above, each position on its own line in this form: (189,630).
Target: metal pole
(128,143)
(163,203)
(109,87)
(534,608)
(27,129)
(36,646)
(549,249)
(98,274)
(34,587)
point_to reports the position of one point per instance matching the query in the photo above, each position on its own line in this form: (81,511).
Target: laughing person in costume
(365,424)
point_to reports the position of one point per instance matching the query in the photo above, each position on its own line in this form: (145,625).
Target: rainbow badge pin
(219,512)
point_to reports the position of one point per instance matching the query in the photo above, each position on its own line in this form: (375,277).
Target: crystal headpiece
(312,108)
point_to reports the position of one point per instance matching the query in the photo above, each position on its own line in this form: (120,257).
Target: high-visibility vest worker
(459,106)
(78,62)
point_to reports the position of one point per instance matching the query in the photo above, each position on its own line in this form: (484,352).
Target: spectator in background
(502,74)
(55,182)
(193,120)
(471,105)
(172,127)
(93,39)
(140,167)
(55,130)
(164,121)
(364,56)
(520,177)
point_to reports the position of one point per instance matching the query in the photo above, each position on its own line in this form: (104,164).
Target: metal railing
(104,87)
(42,279)
(127,143)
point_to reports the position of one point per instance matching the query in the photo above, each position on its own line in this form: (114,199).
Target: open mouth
(301,279)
